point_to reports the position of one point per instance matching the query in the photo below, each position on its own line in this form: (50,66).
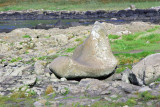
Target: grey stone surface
(148,69)
(93,58)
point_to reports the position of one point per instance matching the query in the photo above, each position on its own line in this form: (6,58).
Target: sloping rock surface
(93,58)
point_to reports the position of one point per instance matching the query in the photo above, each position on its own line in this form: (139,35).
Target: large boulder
(93,58)
(148,69)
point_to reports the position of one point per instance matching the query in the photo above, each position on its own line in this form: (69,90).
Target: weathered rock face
(148,69)
(93,58)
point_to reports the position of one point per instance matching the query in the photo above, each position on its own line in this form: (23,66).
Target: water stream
(9,25)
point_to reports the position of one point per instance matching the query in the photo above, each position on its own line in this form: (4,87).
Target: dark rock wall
(138,14)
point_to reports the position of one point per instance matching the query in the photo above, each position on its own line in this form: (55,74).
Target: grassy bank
(80,5)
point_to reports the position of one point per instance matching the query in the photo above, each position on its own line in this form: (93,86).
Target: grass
(146,96)
(68,50)
(49,90)
(124,47)
(16,98)
(15,60)
(26,36)
(113,36)
(135,42)
(80,5)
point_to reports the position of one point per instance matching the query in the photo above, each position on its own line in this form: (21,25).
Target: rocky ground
(25,55)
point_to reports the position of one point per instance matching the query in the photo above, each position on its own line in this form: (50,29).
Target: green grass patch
(78,39)
(158,79)
(15,59)
(113,36)
(46,58)
(17,98)
(146,96)
(26,36)
(69,50)
(74,4)
(134,47)
(137,41)
(131,102)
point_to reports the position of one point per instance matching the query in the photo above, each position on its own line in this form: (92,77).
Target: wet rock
(93,58)
(148,69)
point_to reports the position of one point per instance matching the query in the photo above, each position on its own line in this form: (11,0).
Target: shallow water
(9,25)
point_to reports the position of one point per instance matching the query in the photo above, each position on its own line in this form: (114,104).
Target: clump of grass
(66,91)
(131,102)
(69,50)
(121,68)
(15,59)
(47,36)
(152,38)
(158,79)
(2,60)
(147,96)
(26,36)
(46,58)
(78,39)
(20,94)
(49,89)
(113,36)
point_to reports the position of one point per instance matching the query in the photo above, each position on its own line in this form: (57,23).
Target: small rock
(126,106)
(149,103)
(106,92)
(29,80)
(113,96)
(108,99)
(39,67)
(123,99)
(63,79)
(40,103)
(53,76)
(47,75)
(143,89)
(54,80)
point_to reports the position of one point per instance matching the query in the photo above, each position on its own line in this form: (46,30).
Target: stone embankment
(152,14)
